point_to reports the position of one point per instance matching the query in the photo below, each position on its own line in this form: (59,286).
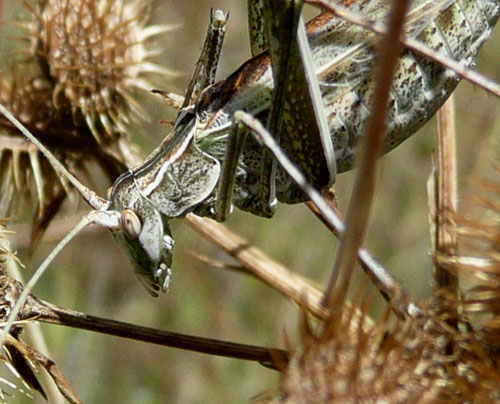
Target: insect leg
(389,288)
(206,66)
(297,118)
(256,26)
(223,205)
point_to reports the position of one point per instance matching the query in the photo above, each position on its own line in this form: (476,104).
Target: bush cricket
(312,90)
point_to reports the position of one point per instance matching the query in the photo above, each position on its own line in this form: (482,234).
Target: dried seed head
(478,264)
(28,97)
(435,357)
(95,53)
(352,362)
(22,169)
(86,60)
(467,371)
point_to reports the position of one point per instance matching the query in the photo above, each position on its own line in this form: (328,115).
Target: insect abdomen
(424,85)
(420,86)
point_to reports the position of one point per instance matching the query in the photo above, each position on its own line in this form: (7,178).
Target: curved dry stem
(364,189)
(277,276)
(49,313)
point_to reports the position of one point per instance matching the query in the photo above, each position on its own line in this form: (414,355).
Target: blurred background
(93,274)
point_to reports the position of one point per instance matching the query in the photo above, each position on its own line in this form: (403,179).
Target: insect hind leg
(297,118)
(223,204)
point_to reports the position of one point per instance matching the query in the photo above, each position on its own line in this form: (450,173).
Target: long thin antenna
(109,219)
(38,274)
(90,196)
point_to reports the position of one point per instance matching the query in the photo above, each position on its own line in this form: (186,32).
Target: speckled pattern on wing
(344,56)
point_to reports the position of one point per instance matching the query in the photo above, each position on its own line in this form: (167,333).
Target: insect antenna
(110,219)
(38,273)
(94,200)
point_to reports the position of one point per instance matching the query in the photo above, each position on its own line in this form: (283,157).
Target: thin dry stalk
(364,189)
(445,197)
(49,365)
(397,296)
(40,310)
(293,286)
(258,263)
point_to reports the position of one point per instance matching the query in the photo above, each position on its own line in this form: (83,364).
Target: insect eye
(131,224)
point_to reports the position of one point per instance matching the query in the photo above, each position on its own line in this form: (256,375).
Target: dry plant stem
(43,311)
(371,148)
(273,273)
(49,365)
(446,193)
(413,44)
(392,291)
(37,340)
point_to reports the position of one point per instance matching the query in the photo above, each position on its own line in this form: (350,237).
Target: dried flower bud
(352,361)
(96,54)
(87,58)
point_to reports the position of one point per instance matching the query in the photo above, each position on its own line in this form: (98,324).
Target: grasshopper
(311,86)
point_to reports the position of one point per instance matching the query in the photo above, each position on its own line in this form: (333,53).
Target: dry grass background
(93,274)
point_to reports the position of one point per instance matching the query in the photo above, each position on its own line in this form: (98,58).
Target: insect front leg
(223,204)
(206,66)
(297,118)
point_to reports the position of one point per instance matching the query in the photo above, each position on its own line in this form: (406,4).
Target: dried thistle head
(22,170)
(447,351)
(478,265)
(24,173)
(433,357)
(96,54)
(75,92)
(352,361)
